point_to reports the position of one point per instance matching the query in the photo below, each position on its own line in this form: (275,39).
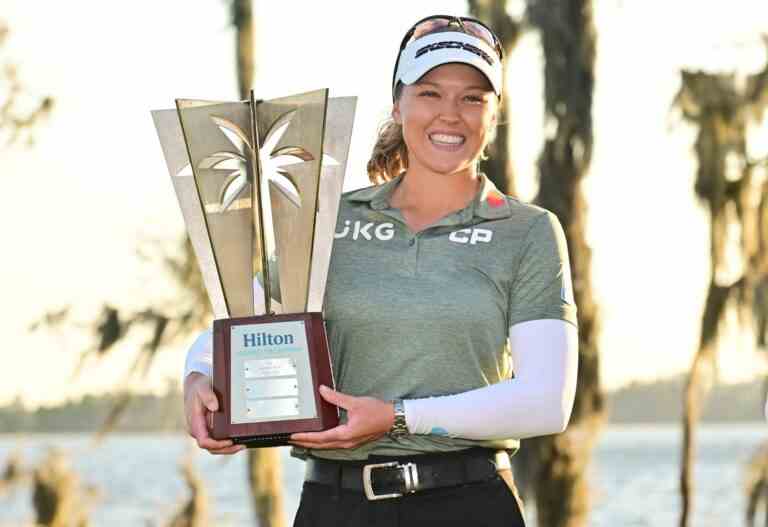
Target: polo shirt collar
(378,195)
(488,204)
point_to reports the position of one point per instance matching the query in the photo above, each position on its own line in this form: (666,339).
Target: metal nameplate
(259,368)
(272,388)
(271,408)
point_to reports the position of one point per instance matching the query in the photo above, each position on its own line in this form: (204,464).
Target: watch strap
(399,426)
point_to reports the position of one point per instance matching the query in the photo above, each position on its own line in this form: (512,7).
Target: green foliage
(659,401)
(652,402)
(146,413)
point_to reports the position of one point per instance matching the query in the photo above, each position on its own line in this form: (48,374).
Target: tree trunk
(242,18)
(498,167)
(265,475)
(264,468)
(560,462)
(695,392)
(722,109)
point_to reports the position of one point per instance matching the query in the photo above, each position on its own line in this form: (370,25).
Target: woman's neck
(425,197)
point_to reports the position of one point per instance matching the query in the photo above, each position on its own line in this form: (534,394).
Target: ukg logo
(366,231)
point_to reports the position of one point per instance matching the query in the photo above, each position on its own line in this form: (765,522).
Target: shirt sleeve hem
(565,317)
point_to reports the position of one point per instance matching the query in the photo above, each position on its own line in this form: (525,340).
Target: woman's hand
(368,418)
(199,403)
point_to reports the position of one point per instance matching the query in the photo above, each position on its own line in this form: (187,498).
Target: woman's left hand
(368,418)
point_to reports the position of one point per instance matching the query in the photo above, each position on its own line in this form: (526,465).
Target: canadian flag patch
(495,199)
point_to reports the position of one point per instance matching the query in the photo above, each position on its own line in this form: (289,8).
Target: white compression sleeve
(537,401)
(200,356)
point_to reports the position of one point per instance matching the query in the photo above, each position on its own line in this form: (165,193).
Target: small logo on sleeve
(495,199)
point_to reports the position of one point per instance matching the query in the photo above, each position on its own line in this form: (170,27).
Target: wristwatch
(399,428)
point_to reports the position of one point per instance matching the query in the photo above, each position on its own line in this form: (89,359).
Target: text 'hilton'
(266,339)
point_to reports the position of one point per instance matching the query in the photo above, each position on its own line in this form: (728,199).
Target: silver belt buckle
(410,475)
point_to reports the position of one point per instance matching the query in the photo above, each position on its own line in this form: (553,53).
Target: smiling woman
(438,285)
(446,117)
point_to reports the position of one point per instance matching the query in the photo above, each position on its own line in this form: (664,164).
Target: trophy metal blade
(339,119)
(291,133)
(262,290)
(219,143)
(176,158)
(265,247)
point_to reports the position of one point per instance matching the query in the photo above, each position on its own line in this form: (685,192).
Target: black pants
(486,504)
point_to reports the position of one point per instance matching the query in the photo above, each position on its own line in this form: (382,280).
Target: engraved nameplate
(272,388)
(258,368)
(272,408)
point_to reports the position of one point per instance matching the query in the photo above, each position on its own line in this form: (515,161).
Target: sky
(94,188)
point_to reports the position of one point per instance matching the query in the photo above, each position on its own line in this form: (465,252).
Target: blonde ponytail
(390,155)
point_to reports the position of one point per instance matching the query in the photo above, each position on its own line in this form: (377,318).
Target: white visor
(436,49)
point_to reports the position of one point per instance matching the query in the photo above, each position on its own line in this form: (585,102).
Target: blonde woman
(449,312)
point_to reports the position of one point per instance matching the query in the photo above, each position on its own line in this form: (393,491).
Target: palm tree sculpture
(272,162)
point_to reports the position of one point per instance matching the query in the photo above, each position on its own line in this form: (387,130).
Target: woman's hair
(390,154)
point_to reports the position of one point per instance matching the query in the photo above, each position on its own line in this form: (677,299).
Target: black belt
(387,477)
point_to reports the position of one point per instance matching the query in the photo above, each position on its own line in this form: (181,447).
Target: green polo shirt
(415,315)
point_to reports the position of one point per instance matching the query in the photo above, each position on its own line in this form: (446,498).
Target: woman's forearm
(538,401)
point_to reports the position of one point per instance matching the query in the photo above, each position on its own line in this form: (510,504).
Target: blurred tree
(499,167)
(734,189)
(57,495)
(13,473)
(164,321)
(553,469)
(20,112)
(757,487)
(242,19)
(559,463)
(194,513)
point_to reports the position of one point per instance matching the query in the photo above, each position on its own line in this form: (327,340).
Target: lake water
(634,476)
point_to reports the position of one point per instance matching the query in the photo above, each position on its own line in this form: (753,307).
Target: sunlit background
(94,189)
(93,192)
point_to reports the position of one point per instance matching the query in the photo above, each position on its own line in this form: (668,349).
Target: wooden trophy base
(266,374)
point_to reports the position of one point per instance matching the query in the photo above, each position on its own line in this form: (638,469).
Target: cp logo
(471,236)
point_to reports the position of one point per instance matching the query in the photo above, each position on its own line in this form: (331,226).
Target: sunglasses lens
(428,27)
(468,26)
(480,32)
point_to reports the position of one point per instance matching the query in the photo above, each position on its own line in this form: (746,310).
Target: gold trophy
(259,184)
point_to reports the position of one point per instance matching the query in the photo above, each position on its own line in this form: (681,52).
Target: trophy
(259,184)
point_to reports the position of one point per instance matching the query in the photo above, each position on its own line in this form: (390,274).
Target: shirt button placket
(413,257)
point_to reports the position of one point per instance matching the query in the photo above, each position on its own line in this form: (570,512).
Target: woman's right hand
(199,403)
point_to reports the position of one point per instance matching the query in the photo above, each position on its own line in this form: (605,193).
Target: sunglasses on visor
(435,23)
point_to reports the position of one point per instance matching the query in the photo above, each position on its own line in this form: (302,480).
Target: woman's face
(446,116)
